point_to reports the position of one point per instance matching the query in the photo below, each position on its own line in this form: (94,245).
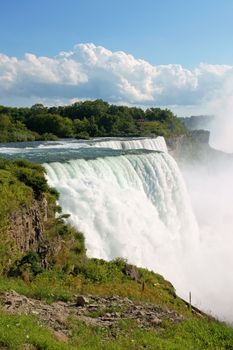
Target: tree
(51,123)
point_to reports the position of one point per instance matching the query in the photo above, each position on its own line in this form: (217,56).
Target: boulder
(132,272)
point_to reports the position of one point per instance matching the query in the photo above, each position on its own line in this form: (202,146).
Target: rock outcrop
(189,145)
(27,226)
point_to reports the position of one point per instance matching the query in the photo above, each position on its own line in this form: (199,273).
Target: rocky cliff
(27,226)
(28,221)
(190,145)
(27,229)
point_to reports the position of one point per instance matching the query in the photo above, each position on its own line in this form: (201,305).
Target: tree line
(84,120)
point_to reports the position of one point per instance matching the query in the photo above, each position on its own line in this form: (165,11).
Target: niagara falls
(131,200)
(116,175)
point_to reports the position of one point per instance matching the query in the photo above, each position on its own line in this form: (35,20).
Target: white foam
(133,206)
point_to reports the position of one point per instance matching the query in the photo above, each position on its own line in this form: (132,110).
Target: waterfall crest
(156,144)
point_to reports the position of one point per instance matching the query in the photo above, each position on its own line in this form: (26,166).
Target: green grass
(52,285)
(189,335)
(48,286)
(17,331)
(192,334)
(20,181)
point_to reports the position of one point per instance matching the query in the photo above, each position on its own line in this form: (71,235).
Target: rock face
(133,272)
(189,143)
(194,149)
(27,226)
(27,229)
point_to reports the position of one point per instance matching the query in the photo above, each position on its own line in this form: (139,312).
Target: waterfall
(156,144)
(129,199)
(133,206)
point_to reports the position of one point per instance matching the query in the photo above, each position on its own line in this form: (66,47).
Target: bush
(98,270)
(33,179)
(29,264)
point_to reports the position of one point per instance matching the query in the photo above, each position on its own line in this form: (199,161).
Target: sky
(173,53)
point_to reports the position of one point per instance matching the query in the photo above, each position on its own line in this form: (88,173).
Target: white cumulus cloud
(90,71)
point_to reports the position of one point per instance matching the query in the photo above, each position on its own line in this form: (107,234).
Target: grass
(189,335)
(19,331)
(52,286)
(48,287)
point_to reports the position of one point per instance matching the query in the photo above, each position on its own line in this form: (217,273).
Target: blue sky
(160,31)
(171,53)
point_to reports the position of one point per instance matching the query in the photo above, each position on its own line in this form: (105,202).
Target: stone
(132,272)
(61,336)
(156,321)
(55,315)
(141,313)
(81,300)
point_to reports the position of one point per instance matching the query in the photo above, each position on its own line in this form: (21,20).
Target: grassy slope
(193,333)
(17,331)
(73,273)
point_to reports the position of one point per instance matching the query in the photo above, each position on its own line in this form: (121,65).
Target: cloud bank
(89,72)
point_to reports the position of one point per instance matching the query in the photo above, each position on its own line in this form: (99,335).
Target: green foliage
(13,192)
(48,136)
(14,130)
(50,123)
(48,286)
(84,120)
(30,263)
(98,277)
(71,242)
(27,173)
(83,135)
(98,270)
(33,179)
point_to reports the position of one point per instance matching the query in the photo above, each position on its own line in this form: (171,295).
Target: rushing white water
(132,206)
(156,144)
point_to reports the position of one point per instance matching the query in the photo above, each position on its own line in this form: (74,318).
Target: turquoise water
(65,150)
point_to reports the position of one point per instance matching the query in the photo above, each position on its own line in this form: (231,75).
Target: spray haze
(222,128)
(211,190)
(210,186)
